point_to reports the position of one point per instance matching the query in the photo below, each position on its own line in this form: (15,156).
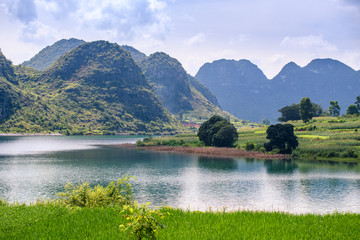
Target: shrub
(249,146)
(143,222)
(140,143)
(116,193)
(350,153)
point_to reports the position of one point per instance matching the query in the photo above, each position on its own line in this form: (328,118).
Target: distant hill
(136,54)
(180,93)
(9,94)
(95,88)
(50,54)
(238,86)
(242,89)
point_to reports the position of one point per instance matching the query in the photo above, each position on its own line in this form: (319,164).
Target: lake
(37,167)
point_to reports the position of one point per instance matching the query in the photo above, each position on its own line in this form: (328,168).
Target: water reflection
(217,163)
(280,166)
(182,180)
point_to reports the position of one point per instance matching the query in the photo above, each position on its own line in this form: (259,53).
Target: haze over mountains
(100,87)
(242,89)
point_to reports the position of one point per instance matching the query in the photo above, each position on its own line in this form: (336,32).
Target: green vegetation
(334,109)
(64,219)
(84,92)
(46,221)
(50,54)
(181,94)
(292,112)
(322,138)
(306,110)
(217,132)
(282,138)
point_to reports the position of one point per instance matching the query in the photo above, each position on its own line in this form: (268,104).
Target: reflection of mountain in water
(217,163)
(280,166)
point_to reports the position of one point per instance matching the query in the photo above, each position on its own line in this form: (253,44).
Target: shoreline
(28,134)
(209,151)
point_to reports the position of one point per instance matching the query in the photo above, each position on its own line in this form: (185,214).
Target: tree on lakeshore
(334,109)
(281,137)
(352,109)
(306,111)
(218,132)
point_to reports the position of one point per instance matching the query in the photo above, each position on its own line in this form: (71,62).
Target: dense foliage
(281,137)
(334,108)
(180,93)
(306,110)
(217,132)
(352,109)
(292,112)
(96,88)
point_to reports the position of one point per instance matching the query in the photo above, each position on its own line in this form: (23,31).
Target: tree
(281,137)
(317,110)
(357,102)
(217,132)
(306,110)
(352,109)
(334,109)
(289,113)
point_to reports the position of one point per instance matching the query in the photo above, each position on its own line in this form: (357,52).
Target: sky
(269,33)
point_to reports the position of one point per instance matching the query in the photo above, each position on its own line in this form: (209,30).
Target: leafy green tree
(226,136)
(306,110)
(281,137)
(352,109)
(317,110)
(217,132)
(289,113)
(334,109)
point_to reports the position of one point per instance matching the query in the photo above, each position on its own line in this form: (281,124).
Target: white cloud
(310,41)
(22,10)
(38,32)
(195,40)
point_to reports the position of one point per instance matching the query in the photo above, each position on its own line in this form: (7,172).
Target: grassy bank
(323,138)
(46,221)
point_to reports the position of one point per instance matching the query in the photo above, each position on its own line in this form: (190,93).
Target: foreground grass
(46,221)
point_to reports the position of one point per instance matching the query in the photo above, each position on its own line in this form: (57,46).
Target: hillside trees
(357,102)
(334,109)
(217,132)
(281,137)
(292,112)
(352,110)
(306,110)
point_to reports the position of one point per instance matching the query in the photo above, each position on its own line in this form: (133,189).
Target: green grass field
(323,138)
(56,222)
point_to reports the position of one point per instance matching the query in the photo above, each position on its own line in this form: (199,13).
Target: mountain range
(78,87)
(99,88)
(243,90)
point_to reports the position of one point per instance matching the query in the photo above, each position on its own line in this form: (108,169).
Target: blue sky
(270,33)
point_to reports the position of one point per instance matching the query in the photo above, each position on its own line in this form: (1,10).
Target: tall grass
(57,222)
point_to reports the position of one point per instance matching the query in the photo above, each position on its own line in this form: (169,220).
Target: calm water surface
(38,167)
